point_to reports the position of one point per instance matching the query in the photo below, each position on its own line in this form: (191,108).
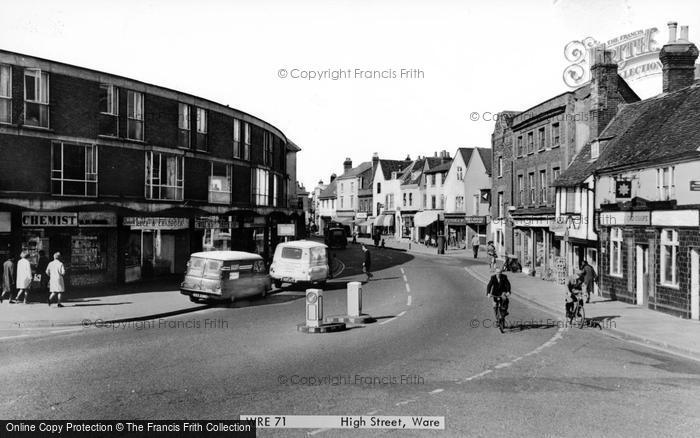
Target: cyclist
(575,286)
(499,286)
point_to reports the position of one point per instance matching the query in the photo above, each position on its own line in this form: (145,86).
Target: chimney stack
(605,98)
(333,176)
(678,60)
(347,165)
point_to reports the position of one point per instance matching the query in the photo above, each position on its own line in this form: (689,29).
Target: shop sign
(558,228)
(533,222)
(455,221)
(361,215)
(476,220)
(5,221)
(286,230)
(205,223)
(695,186)
(49,219)
(97,219)
(157,223)
(619,218)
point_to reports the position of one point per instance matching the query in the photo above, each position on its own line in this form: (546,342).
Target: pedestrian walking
(56,271)
(475,245)
(8,279)
(41,266)
(24,276)
(376,239)
(367,263)
(589,277)
(491,252)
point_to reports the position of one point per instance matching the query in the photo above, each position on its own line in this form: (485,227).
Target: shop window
(5,94)
(164,176)
(669,257)
(615,251)
(202,129)
(183,125)
(36,98)
(109,110)
(220,183)
(134,115)
(261,187)
(73,169)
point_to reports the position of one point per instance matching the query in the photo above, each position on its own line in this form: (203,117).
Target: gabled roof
(356,171)
(389,166)
(366,176)
(485,154)
(444,167)
(645,133)
(329,191)
(466,154)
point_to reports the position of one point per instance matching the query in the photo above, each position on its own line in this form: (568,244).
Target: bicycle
(500,312)
(578,314)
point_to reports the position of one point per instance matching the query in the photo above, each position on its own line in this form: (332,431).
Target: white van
(301,262)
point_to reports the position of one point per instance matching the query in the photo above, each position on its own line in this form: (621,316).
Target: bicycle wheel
(501,324)
(582,317)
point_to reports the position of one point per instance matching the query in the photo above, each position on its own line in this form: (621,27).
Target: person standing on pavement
(8,279)
(56,271)
(475,245)
(589,277)
(491,252)
(367,263)
(41,270)
(24,276)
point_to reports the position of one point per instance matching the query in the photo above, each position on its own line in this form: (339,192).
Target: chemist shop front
(87,242)
(154,246)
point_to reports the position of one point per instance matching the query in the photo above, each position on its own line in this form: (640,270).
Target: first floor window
(246,142)
(433,202)
(220,183)
(109,110)
(615,251)
(237,138)
(531,185)
(669,257)
(73,169)
(459,203)
(521,190)
(36,98)
(184,125)
(134,114)
(277,198)
(164,176)
(261,187)
(5,94)
(543,186)
(410,199)
(202,129)
(501,207)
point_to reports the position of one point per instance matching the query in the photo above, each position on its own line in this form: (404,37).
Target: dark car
(336,238)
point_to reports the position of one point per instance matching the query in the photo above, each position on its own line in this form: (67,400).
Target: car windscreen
(318,256)
(289,252)
(212,268)
(195,266)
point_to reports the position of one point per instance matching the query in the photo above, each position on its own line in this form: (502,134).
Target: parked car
(225,276)
(301,262)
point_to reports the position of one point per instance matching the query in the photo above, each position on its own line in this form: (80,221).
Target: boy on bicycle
(499,287)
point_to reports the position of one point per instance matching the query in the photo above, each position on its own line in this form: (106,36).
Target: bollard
(354,298)
(314,307)
(314,315)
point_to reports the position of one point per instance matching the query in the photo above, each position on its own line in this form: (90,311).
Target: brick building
(126,178)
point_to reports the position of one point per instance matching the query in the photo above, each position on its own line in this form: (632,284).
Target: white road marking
(405,402)
(408,301)
(371,413)
(401,314)
(408,288)
(405,278)
(402,271)
(391,319)
(314,432)
(436,391)
(503,365)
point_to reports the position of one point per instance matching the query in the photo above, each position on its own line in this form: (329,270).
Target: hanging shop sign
(49,219)
(476,220)
(362,215)
(157,223)
(97,219)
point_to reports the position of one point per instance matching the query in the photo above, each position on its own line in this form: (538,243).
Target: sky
(276,60)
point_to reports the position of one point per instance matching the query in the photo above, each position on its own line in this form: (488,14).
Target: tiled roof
(648,132)
(355,171)
(366,176)
(466,154)
(389,166)
(444,167)
(485,154)
(329,191)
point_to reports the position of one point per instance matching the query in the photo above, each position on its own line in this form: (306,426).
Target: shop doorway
(695,284)
(642,274)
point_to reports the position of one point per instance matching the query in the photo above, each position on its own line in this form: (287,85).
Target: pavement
(615,318)
(93,305)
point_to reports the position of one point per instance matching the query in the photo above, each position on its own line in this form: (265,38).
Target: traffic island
(322,328)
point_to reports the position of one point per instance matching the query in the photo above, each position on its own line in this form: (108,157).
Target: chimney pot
(684,33)
(436,154)
(672,25)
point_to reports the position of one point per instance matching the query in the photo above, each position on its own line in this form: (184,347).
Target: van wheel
(263,294)
(278,284)
(194,300)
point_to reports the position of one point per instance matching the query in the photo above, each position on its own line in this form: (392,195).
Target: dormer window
(595,150)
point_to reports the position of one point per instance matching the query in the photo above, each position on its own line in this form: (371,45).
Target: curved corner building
(126,179)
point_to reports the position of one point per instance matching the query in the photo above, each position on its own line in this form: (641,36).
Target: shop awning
(388,220)
(425,218)
(379,220)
